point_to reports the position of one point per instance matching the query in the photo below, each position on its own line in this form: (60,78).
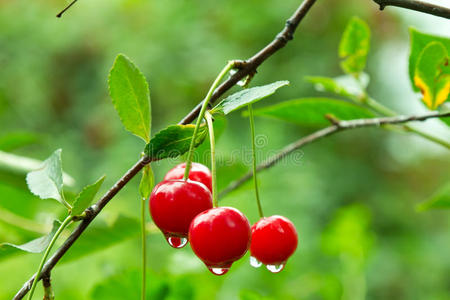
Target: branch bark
(248,67)
(336,127)
(418,5)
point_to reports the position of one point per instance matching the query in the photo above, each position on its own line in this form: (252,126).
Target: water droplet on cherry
(218,271)
(275,268)
(254,262)
(176,242)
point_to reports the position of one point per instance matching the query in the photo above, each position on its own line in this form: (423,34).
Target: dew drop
(275,268)
(242,82)
(218,271)
(254,262)
(176,242)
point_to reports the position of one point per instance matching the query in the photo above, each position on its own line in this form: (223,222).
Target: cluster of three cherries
(183,210)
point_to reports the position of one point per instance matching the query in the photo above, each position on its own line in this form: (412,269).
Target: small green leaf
(354,46)
(247,96)
(35,246)
(346,85)
(147,182)
(419,41)
(311,111)
(432,74)
(440,200)
(174,141)
(85,197)
(131,97)
(47,181)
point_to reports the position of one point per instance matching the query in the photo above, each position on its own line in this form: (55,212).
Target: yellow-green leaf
(354,46)
(432,75)
(419,41)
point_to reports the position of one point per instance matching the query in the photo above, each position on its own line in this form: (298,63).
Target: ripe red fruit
(219,237)
(274,240)
(174,204)
(198,173)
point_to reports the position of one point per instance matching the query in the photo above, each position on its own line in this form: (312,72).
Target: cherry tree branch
(418,5)
(336,127)
(246,68)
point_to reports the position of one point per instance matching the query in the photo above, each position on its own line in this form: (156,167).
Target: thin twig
(418,5)
(336,127)
(59,15)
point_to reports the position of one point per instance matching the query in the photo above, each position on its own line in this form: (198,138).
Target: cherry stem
(255,179)
(212,142)
(59,15)
(230,65)
(63,225)
(144,250)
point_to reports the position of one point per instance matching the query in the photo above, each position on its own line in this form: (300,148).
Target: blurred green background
(351,196)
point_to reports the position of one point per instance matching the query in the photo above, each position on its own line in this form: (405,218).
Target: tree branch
(248,67)
(336,127)
(418,5)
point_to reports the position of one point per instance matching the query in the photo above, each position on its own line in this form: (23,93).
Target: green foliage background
(352,196)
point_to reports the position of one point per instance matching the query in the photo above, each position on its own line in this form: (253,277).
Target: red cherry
(198,173)
(173,205)
(274,240)
(219,237)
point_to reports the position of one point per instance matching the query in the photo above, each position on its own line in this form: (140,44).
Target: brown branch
(336,127)
(248,67)
(418,5)
(48,291)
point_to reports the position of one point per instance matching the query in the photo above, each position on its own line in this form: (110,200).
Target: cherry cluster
(183,210)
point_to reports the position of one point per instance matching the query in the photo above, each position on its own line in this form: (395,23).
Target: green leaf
(15,140)
(432,74)
(174,141)
(35,246)
(346,85)
(311,111)
(131,97)
(147,182)
(85,197)
(47,181)
(419,41)
(247,96)
(354,46)
(102,235)
(440,200)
